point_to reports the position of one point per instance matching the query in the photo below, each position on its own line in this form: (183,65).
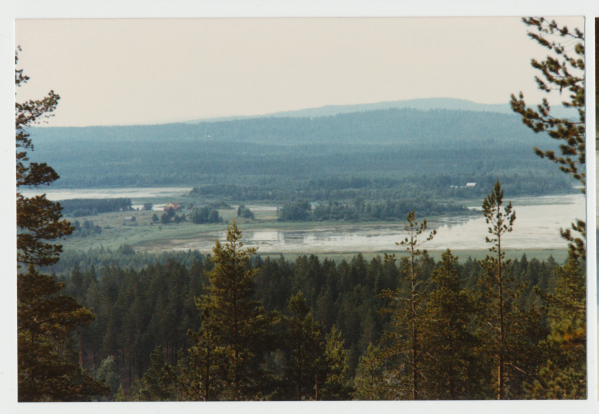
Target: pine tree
(46,320)
(563,375)
(493,283)
(157,384)
(237,322)
(337,385)
(370,380)
(408,306)
(563,72)
(508,333)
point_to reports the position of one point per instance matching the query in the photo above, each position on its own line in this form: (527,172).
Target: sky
(148,71)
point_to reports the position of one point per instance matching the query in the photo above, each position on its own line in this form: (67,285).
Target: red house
(174,206)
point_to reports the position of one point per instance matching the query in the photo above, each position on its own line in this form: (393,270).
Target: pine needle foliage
(237,324)
(46,320)
(371,377)
(408,307)
(563,375)
(508,333)
(305,370)
(453,366)
(562,72)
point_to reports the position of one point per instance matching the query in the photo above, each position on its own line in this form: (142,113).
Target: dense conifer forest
(147,314)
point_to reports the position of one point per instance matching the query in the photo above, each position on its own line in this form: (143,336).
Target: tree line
(380,187)
(359,210)
(79,207)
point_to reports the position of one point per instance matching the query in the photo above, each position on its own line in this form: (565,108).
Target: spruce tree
(454,371)
(237,322)
(305,371)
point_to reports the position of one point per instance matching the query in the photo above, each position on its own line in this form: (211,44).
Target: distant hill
(393,126)
(421,104)
(393,142)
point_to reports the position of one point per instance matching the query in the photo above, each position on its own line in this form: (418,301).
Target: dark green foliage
(561,72)
(305,370)
(88,228)
(47,320)
(370,380)
(153,304)
(107,372)
(361,211)
(391,184)
(563,375)
(337,386)
(204,370)
(157,384)
(452,365)
(407,304)
(509,334)
(286,168)
(564,73)
(237,322)
(243,211)
(79,207)
(297,211)
(203,215)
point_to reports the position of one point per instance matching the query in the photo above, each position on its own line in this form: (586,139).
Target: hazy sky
(133,71)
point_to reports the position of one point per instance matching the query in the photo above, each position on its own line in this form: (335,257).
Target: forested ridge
(394,144)
(391,126)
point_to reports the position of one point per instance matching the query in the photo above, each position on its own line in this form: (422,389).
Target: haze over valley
(402,155)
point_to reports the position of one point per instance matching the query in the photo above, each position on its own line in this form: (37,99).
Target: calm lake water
(133,193)
(69,194)
(538,220)
(536,227)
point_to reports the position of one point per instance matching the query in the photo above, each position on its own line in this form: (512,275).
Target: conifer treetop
(500,222)
(562,72)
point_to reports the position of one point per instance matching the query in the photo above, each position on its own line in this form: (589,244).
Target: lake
(69,194)
(538,220)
